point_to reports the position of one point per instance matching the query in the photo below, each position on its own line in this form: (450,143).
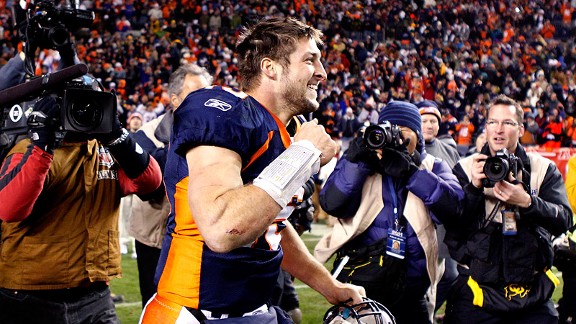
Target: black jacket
(480,244)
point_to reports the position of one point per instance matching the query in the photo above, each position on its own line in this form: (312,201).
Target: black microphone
(20,92)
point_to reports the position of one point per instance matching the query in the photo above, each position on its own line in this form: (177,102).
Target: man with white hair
(147,220)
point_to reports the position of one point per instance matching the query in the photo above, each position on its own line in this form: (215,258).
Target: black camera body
(382,135)
(85,107)
(87,110)
(83,110)
(499,166)
(48,26)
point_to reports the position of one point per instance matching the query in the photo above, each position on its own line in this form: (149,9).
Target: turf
(312,304)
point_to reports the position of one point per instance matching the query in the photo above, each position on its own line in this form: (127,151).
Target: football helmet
(367,312)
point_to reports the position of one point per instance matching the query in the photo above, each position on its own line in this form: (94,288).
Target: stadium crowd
(459,54)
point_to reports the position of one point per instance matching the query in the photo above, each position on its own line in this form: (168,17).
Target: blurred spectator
(348,126)
(553,131)
(478,143)
(369,112)
(464,130)
(134,122)
(531,131)
(447,124)
(458,54)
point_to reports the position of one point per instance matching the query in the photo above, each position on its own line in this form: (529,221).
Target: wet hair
(177,78)
(507,101)
(274,38)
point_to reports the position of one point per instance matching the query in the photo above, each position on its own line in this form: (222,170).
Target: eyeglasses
(506,123)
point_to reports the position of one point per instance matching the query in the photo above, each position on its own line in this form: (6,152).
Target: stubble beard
(297,99)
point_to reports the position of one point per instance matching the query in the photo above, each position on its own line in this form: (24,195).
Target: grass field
(313,305)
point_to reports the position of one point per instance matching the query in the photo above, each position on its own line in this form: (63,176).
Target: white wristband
(289,171)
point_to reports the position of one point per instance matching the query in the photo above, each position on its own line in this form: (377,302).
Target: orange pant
(160,310)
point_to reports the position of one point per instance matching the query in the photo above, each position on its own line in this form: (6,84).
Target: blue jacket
(438,189)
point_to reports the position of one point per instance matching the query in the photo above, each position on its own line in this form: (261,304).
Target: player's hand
(347,293)
(317,135)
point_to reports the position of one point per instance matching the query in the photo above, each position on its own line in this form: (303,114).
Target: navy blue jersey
(190,273)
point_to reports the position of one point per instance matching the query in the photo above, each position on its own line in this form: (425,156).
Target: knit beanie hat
(429,107)
(404,114)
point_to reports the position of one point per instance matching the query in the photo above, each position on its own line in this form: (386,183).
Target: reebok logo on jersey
(215,103)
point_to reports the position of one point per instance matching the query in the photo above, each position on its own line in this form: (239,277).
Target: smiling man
(503,238)
(232,176)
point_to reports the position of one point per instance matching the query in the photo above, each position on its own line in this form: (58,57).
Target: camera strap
(525,181)
(399,222)
(491,216)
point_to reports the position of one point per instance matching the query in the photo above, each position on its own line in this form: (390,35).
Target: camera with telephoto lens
(498,167)
(382,135)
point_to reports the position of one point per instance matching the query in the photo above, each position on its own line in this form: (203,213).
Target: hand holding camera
(43,122)
(397,162)
(116,134)
(477,175)
(499,167)
(358,151)
(501,172)
(395,159)
(512,194)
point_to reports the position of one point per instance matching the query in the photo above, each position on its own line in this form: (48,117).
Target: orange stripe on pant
(159,310)
(162,311)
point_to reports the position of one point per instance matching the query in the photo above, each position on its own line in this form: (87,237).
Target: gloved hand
(358,151)
(68,56)
(42,123)
(398,163)
(118,132)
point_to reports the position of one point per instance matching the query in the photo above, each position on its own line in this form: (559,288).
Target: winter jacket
(477,242)
(437,188)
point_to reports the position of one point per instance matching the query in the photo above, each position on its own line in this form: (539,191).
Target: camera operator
(60,207)
(387,200)
(503,238)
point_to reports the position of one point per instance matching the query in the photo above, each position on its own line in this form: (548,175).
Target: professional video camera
(382,135)
(86,107)
(499,166)
(48,26)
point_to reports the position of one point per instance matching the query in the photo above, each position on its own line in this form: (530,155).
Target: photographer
(60,206)
(387,200)
(513,203)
